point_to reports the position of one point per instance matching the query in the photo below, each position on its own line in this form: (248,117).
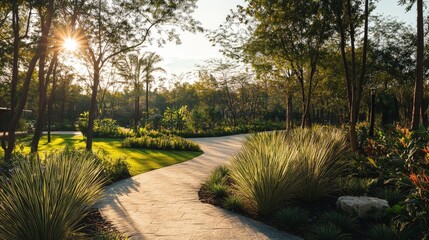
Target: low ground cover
(275,178)
(139,160)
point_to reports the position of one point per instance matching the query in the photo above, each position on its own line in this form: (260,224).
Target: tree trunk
(136,112)
(41,48)
(418,85)
(51,100)
(43,92)
(93,106)
(147,99)
(289,111)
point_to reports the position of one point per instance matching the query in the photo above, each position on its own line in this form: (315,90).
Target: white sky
(196,48)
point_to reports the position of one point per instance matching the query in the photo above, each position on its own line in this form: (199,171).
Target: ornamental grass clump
(47,199)
(273,169)
(319,151)
(264,172)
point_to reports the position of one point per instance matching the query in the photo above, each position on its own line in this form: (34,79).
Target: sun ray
(70,44)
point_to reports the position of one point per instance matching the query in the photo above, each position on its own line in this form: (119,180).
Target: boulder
(360,205)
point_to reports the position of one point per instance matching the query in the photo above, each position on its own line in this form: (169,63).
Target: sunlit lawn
(140,160)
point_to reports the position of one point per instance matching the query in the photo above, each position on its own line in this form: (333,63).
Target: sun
(70,44)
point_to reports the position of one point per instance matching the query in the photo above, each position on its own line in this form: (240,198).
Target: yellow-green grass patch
(140,160)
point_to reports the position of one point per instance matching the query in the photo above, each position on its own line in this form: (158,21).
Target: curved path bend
(164,203)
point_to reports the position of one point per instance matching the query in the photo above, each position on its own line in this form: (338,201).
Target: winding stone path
(164,203)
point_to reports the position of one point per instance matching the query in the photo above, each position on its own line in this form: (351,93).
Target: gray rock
(360,205)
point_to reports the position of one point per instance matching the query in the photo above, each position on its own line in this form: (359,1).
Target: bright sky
(196,48)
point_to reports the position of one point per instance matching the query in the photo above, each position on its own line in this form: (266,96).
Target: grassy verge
(140,160)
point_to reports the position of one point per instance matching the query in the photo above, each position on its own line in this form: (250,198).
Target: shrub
(264,172)
(113,169)
(327,231)
(218,190)
(341,220)
(275,168)
(106,127)
(82,123)
(216,183)
(164,142)
(291,217)
(393,196)
(382,232)
(46,200)
(318,152)
(233,203)
(355,186)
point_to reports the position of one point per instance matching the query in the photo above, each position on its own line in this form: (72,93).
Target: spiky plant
(291,217)
(382,232)
(233,203)
(264,172)
(341,220)
(327,231)
(47,199)
(318,155)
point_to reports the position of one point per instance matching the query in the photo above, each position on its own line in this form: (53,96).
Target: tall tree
(117,27)
(418,109)
(46,10)
(348,17)
(294,34)
(150,60)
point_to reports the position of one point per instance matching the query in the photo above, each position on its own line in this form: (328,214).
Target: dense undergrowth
(276,178)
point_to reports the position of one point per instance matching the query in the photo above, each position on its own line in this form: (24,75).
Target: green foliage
(175,119)
(216,183)
(264,172)
(319,151)
(46,200)
(106,127)
(165,142)
(291,217)
(275,168)
(233,203)
(327,231)
(218,190)
(82,123)
(218,176)
(355,186)
(341,220)
(393,196)
(382,232)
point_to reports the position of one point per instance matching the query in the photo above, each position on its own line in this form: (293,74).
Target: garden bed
(281,179)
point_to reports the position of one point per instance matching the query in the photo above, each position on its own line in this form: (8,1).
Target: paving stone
(164,204)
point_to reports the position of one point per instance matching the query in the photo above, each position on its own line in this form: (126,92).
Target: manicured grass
(140,160)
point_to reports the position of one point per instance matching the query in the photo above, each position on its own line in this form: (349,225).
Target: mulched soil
(315,210)
(94,226)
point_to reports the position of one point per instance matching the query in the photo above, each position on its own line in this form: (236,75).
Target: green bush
(393,196)
(318,152)
(106,128)
(327,231)
(216,183)
(355,186)
(341,220)
(382,232)
(164,142)
(291,217)
(275,168)
(218,190)
(82,123)
(264,172)
(113,169)
(46,200)
(233,203)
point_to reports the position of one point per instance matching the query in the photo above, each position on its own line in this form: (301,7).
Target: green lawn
(140,160)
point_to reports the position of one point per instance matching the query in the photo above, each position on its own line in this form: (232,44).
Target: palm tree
(150,60)
(138,70)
